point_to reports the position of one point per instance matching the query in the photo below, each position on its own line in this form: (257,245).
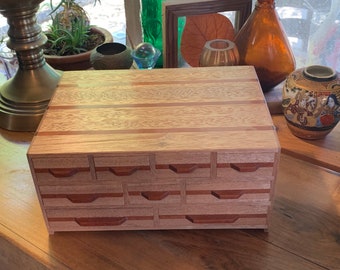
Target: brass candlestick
(24,98)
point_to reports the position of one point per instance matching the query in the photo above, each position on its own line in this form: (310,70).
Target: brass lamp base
(25,97)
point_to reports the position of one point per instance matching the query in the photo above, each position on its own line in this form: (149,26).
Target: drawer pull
(63,172)
(236,194)
(123,171)
(227,194)
(82,198)
(101,221)
(155,195)
(245,167)
(208,219)
(183,168)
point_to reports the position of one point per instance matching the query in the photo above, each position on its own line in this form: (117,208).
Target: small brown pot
(111,55)
(79,61)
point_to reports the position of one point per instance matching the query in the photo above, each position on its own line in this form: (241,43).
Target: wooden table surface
(304,232)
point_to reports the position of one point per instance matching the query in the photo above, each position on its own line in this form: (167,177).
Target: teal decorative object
(146,55)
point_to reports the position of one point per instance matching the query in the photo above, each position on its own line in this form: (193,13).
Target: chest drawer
(62,169)
(128,167)
(114,218)
(88,195)
(224,192)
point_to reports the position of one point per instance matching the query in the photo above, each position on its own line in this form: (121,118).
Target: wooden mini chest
(156,149)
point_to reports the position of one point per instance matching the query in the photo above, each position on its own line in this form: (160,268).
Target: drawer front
(183,165)
(61,169)
(129,167)
(100,219)
(154,194)
(231,215)
(222,192)
(81,195)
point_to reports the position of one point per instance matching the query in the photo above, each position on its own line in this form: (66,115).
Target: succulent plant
(70,30)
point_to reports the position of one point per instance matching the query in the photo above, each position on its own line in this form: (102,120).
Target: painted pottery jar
(311,101)
(111,56)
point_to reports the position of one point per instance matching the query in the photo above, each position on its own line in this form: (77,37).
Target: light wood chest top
(197,109)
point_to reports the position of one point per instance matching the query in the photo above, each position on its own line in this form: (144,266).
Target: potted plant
(71,38)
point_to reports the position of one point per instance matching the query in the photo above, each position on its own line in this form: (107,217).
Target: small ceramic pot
(219,52)
(111,56)
(311,101)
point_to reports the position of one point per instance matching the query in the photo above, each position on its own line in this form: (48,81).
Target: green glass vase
(151,16)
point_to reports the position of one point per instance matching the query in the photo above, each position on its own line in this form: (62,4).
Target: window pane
(312,26)
(313,29)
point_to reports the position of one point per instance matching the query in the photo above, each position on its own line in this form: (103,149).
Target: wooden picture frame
(173,9)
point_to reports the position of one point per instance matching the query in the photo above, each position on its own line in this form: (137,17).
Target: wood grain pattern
(141,105)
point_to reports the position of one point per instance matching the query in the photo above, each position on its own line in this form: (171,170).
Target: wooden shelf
(324,152)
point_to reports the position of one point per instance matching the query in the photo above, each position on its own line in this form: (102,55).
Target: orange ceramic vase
(262,43)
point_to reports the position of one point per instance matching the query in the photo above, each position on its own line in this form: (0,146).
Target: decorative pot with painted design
(311,101)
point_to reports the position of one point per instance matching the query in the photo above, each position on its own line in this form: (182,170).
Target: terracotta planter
(79,61)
